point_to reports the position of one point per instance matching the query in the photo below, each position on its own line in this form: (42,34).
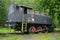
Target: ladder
(24,26)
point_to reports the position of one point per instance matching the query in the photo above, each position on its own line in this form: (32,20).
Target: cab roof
(26,7)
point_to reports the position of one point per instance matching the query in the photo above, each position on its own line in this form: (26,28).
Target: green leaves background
(50,7)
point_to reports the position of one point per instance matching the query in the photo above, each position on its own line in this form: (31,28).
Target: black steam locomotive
(25,19)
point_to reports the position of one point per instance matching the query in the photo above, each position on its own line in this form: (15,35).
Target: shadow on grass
(3,34)
(57,31)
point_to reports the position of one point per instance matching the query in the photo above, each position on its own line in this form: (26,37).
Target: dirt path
(29,37)
(40,36)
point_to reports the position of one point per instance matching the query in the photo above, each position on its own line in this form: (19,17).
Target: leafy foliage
(50,7)
(3,15)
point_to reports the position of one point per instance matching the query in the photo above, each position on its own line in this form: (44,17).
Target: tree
(3,16)
(51,7)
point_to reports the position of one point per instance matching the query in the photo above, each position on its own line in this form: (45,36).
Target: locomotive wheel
(51,29)
(32,29)
(45,30)
(39,29)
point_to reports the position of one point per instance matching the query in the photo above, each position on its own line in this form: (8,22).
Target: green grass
(4,30)
(46,36)
(10,37)
(39,36)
